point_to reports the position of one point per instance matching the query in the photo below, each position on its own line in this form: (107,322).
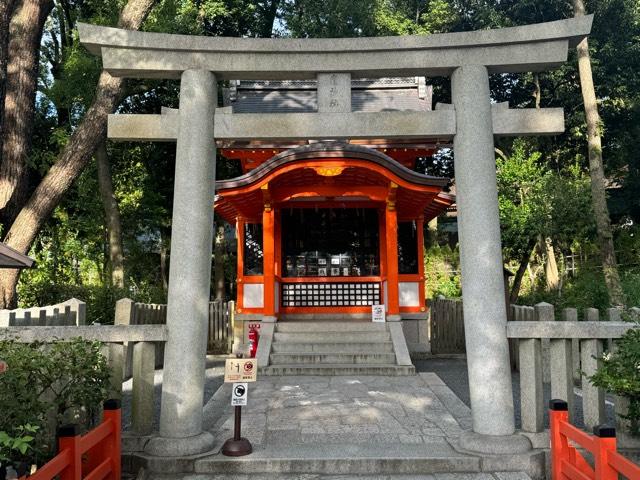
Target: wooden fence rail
(220,331)
(447,326)
(95,455)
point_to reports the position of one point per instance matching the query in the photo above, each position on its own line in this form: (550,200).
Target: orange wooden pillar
(240,263)
(421,290)
(268,258)
(391,239)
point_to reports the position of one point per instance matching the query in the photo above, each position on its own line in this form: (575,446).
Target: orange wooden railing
(568,464)
(93,456)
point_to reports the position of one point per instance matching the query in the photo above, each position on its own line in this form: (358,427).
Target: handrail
(98,451)
(567,463)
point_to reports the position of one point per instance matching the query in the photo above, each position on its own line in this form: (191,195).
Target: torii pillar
(485,315)
(190,272)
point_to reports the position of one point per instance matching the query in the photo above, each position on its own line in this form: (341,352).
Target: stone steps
(339,369)
(298,358)
(325,326)
(334,347)
(339,466)
(331,337)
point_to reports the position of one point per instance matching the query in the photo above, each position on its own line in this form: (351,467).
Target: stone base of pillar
(494,444)
(180,447)
(269,319)
(393,318)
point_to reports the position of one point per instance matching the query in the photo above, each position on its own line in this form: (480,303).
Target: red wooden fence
(93,456)
(568,464)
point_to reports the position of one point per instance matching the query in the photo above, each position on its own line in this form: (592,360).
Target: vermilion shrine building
(328,229)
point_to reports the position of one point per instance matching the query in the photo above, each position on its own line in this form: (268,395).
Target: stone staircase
(337,348)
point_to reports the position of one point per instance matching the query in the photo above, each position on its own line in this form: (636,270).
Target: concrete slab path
(297,411)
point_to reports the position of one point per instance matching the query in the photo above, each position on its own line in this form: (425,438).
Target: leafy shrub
(619,373)
(100,300)
(442,272)
(45,386)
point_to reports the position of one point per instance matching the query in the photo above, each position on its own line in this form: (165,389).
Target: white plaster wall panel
(253,295)
(409,293)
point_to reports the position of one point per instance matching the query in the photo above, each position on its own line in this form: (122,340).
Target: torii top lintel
(135,54)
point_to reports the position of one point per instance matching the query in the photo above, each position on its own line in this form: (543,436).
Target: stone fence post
(544,312)
(120,354)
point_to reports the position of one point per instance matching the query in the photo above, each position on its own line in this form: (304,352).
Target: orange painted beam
(290,193)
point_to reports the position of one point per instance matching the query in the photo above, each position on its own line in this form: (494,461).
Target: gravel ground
(453,371)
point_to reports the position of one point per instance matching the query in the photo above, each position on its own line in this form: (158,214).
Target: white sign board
(240,370)
(239,394)
(377,313)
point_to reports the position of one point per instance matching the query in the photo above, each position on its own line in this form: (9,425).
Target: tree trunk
(25,34)
(432,232)
(269,13)
(112,217)
(596,170)
(72,160)
(545,247)
(6,10)
(522,268)
(164,258)
(218,264)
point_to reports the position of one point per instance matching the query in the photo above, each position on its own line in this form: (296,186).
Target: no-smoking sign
(240,370)
(239,394)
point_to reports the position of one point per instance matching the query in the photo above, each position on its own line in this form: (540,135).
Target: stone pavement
(285,411)
(342,427)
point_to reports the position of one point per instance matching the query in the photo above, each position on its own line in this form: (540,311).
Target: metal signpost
(239,372)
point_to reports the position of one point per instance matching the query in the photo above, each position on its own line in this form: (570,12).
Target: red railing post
(69,439)
(112,447)
(605,440)
(558,413)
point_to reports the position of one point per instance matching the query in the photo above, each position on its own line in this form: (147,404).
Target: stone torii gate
(471,121)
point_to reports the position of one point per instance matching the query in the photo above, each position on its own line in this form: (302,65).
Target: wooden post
(268,258)
(421,292)
(69,439)
(391,237)
(240,262)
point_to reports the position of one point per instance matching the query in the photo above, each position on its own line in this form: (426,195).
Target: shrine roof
(331,150)
(301,96)
(333,174)
(10,258)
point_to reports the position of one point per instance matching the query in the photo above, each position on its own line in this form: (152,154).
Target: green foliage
(535,201)
(586,289)
(619,374)
(521,182)
(442,272)
(68,380)
(17,447)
